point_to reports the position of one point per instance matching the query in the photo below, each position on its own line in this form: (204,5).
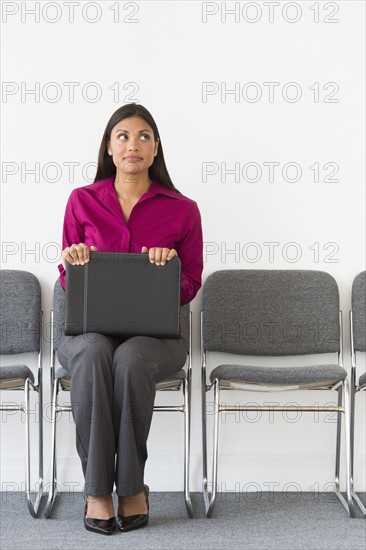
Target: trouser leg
(138,364)
(89,359)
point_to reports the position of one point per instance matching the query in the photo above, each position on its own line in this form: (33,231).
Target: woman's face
(132,146)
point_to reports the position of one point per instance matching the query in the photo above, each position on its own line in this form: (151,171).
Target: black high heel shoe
(127,523)
(101,526)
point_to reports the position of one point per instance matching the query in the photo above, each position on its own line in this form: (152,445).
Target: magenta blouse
(161,218)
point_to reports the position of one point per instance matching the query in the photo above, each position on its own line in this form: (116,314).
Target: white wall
(178,59)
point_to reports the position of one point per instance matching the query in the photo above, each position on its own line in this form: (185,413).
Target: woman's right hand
(77,254)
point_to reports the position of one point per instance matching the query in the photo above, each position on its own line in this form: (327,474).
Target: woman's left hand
(159,256)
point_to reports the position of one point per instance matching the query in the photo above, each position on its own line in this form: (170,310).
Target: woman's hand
(77,254)
(159,256)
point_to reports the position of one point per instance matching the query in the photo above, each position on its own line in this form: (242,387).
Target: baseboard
(235,473)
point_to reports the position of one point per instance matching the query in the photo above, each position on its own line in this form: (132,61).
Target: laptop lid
(123,294)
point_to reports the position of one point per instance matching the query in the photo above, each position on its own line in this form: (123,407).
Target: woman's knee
(149,358)
(87,351)
(130,361)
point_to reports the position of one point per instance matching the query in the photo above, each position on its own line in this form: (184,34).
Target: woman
(132,206)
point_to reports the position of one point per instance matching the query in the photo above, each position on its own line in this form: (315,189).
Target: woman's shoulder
(96,187)
(163,190)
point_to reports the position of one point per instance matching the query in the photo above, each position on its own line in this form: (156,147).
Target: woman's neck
(131,187)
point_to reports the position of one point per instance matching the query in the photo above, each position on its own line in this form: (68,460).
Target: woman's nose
(132,146)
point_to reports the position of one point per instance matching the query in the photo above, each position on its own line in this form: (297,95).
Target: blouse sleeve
(190,253)
(73,232)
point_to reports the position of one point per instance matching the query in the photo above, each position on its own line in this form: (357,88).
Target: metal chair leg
(204,446)
(53,485)
(352,419)
(343,396)
(32,506)
(216,447)
(348,449)
(210,498)
(187,439)
(355,496)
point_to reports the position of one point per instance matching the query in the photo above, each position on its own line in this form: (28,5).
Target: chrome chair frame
(165,385)
(355,388)
(16,384)
(218,385)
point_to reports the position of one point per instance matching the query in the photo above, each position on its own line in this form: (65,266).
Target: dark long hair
(106,167)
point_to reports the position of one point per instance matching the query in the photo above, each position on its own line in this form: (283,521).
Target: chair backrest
(59,316)
(359,311)
(271,312)
(20,312)
(58,313)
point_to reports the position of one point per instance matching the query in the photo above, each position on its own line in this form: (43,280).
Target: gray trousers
(112,399)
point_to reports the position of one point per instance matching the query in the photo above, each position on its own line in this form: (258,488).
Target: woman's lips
(132,159)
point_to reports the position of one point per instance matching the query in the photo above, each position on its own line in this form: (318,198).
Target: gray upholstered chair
(60,378)
(358,344)
(21,331)
(272,313)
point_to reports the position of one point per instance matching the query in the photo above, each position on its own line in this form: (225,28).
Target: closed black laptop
(123,294)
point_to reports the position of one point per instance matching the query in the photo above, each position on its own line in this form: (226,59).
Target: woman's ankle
(99,507)
(131,505)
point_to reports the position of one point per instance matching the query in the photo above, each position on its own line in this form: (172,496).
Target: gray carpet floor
(253,522)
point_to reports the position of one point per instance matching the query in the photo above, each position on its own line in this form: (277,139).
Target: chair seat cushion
(19,372)
(315,374)
(180,375)
(63,374)
(362,379)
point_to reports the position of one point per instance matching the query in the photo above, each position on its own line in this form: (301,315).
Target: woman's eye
(123,137)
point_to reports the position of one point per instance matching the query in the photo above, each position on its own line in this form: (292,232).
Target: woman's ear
(156,147)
